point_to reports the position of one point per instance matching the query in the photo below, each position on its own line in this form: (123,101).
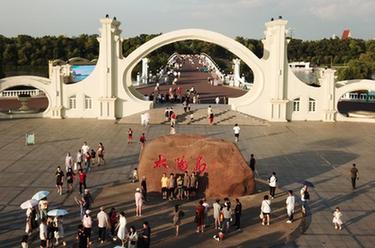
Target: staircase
(223,116)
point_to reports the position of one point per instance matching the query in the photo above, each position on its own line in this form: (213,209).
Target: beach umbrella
(40,195)
(57,212)
(307,183)
(29,204)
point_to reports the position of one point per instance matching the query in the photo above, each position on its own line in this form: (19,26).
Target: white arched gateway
(108,93)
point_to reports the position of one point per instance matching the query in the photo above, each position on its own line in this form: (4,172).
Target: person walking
(354,175)
(69,180)
(238,213)
(199,217)
(337,215)
(210,115)
(59,230)
(130,136)
(88,201)
(265,209)
(227,212)
(272,181)
(103,225)
(121,229)
(79,160)
(100,153)
(113,220)
(172,130)
(144,188)
(177,216)
(132,237)
(305,197)
(252,162)
(142,140)
(85,148)
(87,225)
(145,238)
(290,202)
(43,233)
(59,180)
(68,162)
(82,180)
(236,131)
(138,202)
(81,237)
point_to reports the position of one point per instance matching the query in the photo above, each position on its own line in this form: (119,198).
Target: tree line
(354,58)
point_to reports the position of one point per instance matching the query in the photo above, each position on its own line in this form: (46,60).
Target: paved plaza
(319,152)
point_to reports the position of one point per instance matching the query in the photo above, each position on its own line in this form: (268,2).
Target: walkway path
(192,77)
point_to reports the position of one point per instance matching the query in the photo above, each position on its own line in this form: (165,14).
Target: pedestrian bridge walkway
(223,116)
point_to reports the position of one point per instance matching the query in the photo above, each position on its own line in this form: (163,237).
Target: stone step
(223,115)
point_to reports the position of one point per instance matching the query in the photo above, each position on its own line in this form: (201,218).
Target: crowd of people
(113,225)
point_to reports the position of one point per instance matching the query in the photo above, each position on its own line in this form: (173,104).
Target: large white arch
(257,65)
(40,83)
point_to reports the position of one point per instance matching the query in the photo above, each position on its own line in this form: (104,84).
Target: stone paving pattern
(320,152)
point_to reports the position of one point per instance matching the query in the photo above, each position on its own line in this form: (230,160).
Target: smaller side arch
(352,85)
(40,83)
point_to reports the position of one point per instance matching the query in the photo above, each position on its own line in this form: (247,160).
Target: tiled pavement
(320,152)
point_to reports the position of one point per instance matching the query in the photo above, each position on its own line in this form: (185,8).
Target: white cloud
(342,9)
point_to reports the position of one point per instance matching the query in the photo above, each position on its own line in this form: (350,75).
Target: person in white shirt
(265,209)
(272,182)
(68,162)
(236,130)
(43,233)
(103,224)
(85,148)
(87,224)
(290,202)
(217,207)
(337,215)
(217,100)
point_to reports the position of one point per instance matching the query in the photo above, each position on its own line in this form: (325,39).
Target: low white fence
(16,93)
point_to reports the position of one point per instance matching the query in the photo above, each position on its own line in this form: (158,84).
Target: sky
(307,19)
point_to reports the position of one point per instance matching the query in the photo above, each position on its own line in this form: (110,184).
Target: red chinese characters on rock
(161,162)
(200,164)
(181,164)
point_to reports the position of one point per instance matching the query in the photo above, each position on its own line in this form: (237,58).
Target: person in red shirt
(142,140)
(130,136)
(82,180)
(199,217)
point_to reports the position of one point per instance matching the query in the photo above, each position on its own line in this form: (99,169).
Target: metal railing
(16,93)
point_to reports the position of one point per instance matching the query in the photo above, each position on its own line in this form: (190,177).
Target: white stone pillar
(56,94)
(329,101)
(145,70)
(275,55)
(236,72)
(138,79)
(110,52)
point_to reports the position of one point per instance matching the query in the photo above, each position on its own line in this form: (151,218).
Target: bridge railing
(355,97)
(16,93)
